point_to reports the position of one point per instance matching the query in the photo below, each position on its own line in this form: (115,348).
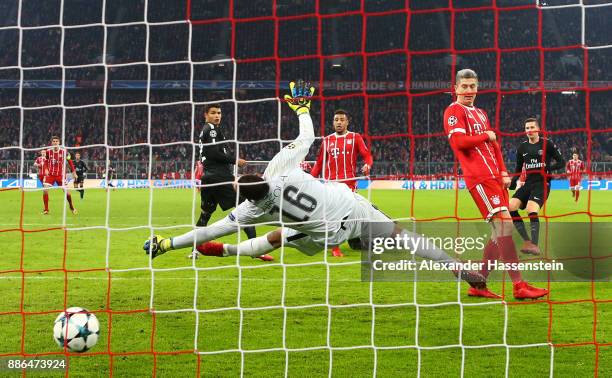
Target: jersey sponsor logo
(495,200)
(452,120)
(213,134)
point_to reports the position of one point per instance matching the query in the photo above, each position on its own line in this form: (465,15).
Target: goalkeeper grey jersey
(301,202)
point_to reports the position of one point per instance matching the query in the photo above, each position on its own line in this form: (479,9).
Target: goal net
(125,84)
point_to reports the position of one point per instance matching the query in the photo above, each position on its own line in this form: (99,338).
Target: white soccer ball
(76,329)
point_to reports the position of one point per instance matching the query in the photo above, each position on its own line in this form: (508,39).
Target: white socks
(252,247)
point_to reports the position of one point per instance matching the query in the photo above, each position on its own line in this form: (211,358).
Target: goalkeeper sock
(519,224)
(252,247)
(82,193)
(535,227)
(250,232)
(507,251)
(46,200)
(489,254)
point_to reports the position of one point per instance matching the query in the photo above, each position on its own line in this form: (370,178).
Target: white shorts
(351,228)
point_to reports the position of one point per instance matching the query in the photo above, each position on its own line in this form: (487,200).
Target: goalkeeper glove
(300,98)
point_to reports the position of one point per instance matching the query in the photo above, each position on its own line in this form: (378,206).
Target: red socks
(508,254)
(46,200)
(69,198)
(490,253)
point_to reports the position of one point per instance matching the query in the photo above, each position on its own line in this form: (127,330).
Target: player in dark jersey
(537,155)
(80,168)
(217,161)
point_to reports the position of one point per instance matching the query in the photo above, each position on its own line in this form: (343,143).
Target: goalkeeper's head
(466,86)
(252,187)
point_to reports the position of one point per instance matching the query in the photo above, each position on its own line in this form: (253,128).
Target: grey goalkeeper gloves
(300,97)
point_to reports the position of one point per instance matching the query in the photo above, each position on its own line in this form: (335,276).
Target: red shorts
(50,180)
(490,197)
(574,183)
(41,178)
(351,184)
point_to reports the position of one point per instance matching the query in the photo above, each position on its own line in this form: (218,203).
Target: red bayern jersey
(483,160)
(40,164)
(574,169)
(56,161)
(338,156)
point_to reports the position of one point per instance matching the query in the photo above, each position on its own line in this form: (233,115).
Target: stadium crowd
(399,111)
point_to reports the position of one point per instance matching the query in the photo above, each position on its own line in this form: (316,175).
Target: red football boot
(336,252)
(522,290)
(266,258)
(211,248)
(485,293)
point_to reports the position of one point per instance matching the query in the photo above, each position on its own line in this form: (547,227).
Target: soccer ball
(76,329)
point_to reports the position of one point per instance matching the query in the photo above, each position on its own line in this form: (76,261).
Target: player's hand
(492,136)
(365,169)
(241,162)
(506,181)
(300,98)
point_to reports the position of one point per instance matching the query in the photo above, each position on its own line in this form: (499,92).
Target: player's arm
(518,167)
(556,156)
(365,154)
(567,168)
(316,170)
(454,125)
(70,164)
(292,154)
(212,150)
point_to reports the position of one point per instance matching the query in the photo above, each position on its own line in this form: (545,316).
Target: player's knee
(275,237)
(514,204)
(533,207)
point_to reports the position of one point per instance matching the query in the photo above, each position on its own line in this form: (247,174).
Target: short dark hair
(533,119)
(466,73)
(252,187)
(342,111)
(56,137)
(210,106)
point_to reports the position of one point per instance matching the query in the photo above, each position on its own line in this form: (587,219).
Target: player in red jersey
(39,163)
(475,146)
(575,168)
(338,157)
(55,171)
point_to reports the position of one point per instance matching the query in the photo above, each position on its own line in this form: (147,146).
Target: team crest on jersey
(213,134)
(495,200)
(540,152)
(452,120)
(290,146)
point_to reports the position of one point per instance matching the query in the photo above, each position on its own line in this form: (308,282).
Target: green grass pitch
(275,317)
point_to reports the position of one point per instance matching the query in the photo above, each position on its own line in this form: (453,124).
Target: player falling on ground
(575,168)
(55,172)
(39,163)
(474,145)
(535,155)
(317,214)
(337,158)
(80,168)
(218,172)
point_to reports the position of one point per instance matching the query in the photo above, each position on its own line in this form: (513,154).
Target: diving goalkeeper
(315,215)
